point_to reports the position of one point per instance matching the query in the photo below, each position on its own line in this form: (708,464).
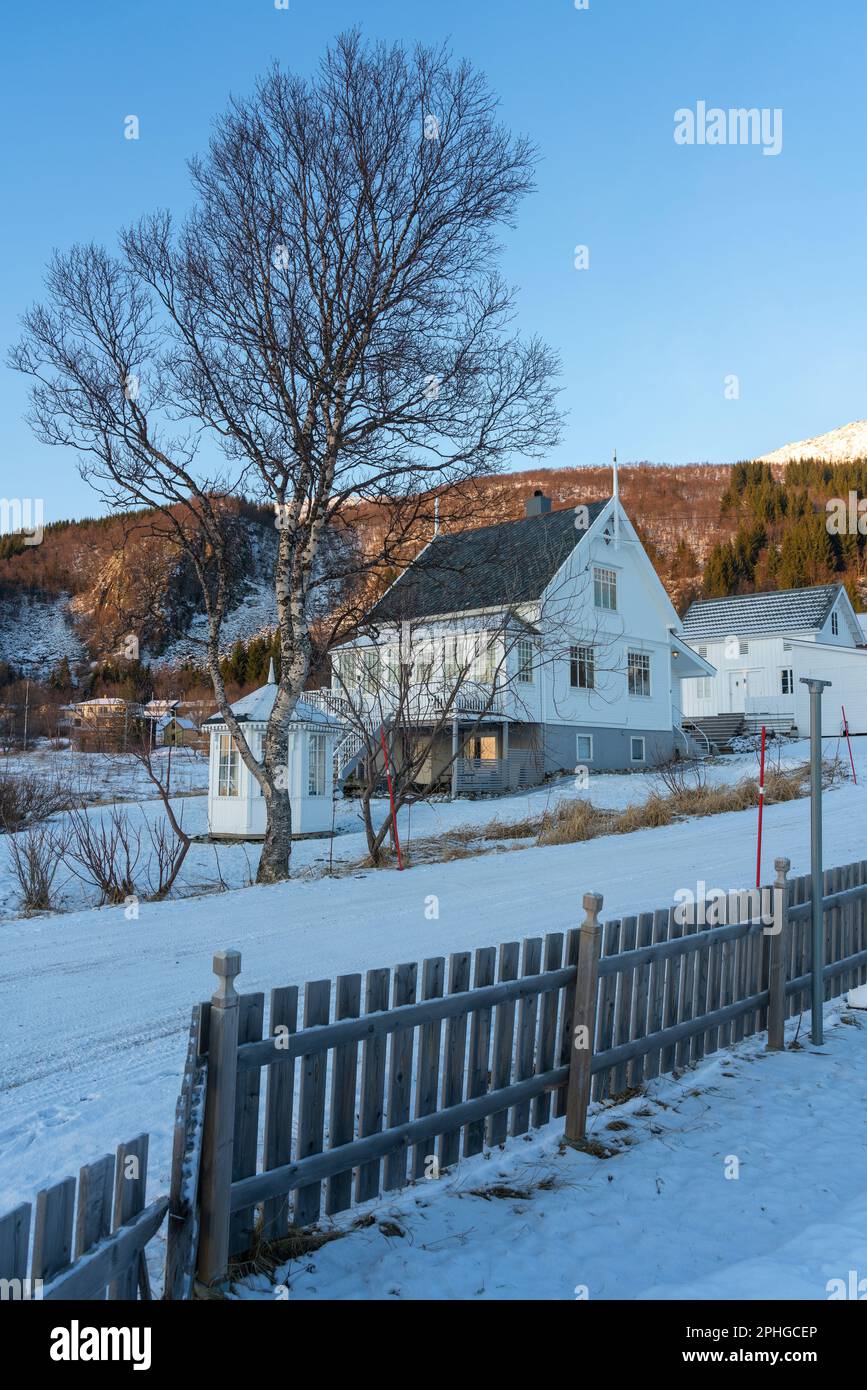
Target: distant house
(236,807)
(762,645)
(108,723)
(578,657)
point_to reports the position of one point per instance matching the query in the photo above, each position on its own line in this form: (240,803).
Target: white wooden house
(236,807)
(763,645)
(578,658)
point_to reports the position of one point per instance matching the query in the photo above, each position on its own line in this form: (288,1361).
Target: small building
(762,646)
(236,806)
(178,732)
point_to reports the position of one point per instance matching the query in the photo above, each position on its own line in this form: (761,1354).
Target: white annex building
(236,807)
(762,645)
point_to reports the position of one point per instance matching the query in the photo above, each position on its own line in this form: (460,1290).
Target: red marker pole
(390,795)
(761,812)
(849,742)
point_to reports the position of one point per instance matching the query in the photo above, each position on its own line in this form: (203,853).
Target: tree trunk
(277,849)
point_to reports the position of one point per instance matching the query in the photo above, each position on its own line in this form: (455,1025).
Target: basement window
(637,750)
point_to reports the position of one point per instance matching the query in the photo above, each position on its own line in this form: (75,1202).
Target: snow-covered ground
(96,1007)
(742,1179)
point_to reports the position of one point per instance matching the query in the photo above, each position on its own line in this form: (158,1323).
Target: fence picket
(504,1033)
(279,1106)
(455,1054)
(528,1009)
(344,1076)
(541,1107)
(641,999)
(372,1083)
(95,1193)
(601,1087)
(623,1003)
(428,1074)
(14,1243)
(400,1074)
(246,1135)
(478,1075)
(130,1184)
(311,1099)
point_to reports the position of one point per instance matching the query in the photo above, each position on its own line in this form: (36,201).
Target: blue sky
(705,262)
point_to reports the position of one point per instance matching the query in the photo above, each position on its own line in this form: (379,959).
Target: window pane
(605,589)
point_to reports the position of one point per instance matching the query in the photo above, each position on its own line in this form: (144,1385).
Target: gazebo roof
(256,708)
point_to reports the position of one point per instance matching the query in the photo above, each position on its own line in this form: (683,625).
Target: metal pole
(815,688)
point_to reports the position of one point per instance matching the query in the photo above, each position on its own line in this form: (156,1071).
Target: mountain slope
(837,446)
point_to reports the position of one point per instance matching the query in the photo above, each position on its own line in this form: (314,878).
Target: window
(605,589)
(639,673)
(703,690)
(227,769)
(316,765)
(743,648)
(484,748)
(637,750)
(835,624)
(525,661)
(584,748)
(787,683)
(370,672)
(582,668)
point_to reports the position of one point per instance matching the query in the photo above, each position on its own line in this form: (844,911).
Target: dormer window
(835,624)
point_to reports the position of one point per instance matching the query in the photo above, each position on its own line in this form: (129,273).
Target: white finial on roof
(616,501)
(436,515)
(272,679)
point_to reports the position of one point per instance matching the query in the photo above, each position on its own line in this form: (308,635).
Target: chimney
(538,504)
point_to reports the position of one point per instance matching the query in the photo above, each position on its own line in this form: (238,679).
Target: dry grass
(575,821)
(572,821)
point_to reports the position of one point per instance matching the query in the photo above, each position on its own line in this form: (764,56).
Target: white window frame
(787,680)
(605,589)
(637,738)
(835,624)
(228,767)
(317,765)
(638,663)
(582,659)
(583,757)
(703,687)
(524,650)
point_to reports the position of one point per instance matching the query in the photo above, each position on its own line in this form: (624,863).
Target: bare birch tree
(326,328)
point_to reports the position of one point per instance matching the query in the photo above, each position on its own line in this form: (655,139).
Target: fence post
(777,961)
(584,1018)
(217,1139)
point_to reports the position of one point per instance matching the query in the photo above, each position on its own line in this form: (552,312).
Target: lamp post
(815,688)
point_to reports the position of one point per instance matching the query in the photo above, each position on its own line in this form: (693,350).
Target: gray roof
(787,610)
(489,567)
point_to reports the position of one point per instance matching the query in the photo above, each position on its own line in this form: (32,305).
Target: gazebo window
(316,785)
(227,776)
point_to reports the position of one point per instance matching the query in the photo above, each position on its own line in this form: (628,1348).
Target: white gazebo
(236,806)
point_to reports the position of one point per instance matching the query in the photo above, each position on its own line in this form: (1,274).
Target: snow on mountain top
(837,446)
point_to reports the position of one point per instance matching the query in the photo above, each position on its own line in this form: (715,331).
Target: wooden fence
(421,1066)
(107,1258)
